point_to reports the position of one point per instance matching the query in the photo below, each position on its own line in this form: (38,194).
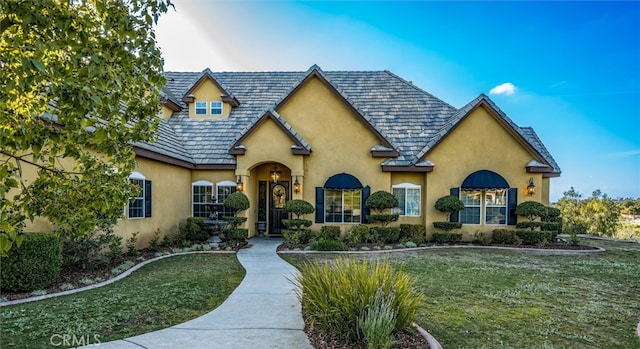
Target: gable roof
(207,74)
(408,121)
(301,147)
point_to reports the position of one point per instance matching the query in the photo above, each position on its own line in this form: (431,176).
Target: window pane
(352,206)
(136,203)
(224,192)
(332,206)
(413,202)
(471,197)
(496,197)
(216,108)
(496,215)
(470,215)
(201,108)
(400,194)
(201,199)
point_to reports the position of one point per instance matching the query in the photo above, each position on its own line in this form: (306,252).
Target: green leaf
(38,65)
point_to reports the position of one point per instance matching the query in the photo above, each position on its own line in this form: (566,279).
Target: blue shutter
(512,217)
(366,191)
(147,198)
(454,217)
(319,205)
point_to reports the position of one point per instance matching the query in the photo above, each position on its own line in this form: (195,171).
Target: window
(491,202)
(216,108)
(471,212)
(342,206)
(201,108)
(408,199)
(139,205)
(202,197)
(225,189)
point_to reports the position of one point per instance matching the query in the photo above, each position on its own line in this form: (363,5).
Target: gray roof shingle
(411,120)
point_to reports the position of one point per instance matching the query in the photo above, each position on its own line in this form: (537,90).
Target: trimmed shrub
(193,231)
(412,232)
(446,238)
(358,234)
(99,247)
(296,223)
(236,235)
(529,237)
(385,235)
(383,219)
(237,201)
(298,207)
(329,232)
(323,244)
(505,237)
(535,225)
(35,265)
(297,237)
(531,210)
(336,294)
(448,204)
(379,202)
(446,226)
(481,238)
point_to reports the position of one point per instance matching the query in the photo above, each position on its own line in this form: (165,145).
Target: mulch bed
(550,246)
(406,339)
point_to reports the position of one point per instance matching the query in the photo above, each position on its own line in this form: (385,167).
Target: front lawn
(483,298)
(159,295)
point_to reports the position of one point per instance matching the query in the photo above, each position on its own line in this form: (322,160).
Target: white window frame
(137,176)
(211,104)
(224,184)
(483,207)
(407,187)
(342,197)
(196,108)
(201,183)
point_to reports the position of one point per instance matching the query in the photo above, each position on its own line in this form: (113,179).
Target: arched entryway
(274,190)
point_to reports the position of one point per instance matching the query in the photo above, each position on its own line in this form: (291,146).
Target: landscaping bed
(406,339)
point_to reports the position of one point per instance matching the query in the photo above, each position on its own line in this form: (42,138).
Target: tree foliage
(381,200)
(298,207)
(531,210)
(237,202)
(80,83)
(597,215)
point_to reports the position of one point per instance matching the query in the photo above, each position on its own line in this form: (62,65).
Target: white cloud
(504,89)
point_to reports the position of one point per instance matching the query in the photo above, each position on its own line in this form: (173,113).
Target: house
(330,138)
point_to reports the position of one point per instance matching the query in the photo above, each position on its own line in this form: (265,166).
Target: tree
(379,202)
(448,204)
(80,83)
(531,210)
(238,202)
(597,215)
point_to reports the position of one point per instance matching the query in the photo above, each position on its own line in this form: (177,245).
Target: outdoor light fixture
(239,185)
(296,186)
(531,188)
(275,174)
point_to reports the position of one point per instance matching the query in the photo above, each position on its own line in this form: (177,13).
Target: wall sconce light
(275,174)
(239,184)
(531,188)
(296,186)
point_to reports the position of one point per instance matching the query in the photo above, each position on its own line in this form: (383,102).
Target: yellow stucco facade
(340,141)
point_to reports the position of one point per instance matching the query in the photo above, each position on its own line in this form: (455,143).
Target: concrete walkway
(263,312)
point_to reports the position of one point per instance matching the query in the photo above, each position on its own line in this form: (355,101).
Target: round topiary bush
(298,207)
(35,265)
(531,210)
(237,202)
(381,200)
(448,204)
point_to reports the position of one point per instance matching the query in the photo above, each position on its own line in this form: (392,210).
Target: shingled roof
(408,120)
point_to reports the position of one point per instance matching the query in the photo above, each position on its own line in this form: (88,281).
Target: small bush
(322,244)
(412,232)
(122,268)
(38,293)
(298,207)
(337,294)
(410,244)
(236,235)
(535,237)
(66,287)
(86,281)
(505,237)
(531,210)
(237,202)
(35,265)
(193,230)
(481,238)
(446,226)
(383,219)
(358,234)
(329,232)
(446,238)
(99,247)
(154,243)
(448,204)
(132,242)
(385,235)
(296,238)
(296,223)
(379,321)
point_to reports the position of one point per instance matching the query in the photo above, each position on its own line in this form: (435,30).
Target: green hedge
(322,244)
(548,226)
(385,235)
(446,226)
(194,231)
(329,232)
(297,237)
(446,238)
(535,237)
(505,237)
(34,265)
(412,232)
(358,234)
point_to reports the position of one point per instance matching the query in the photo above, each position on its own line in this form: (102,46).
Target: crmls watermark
(73,340)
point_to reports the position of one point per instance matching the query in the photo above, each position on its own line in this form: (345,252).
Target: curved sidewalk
(263,312)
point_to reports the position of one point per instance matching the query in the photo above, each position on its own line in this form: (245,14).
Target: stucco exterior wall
(412,178)
(479,142)
(207,91)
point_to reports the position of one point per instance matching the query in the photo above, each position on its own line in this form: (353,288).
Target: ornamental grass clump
(378,321)
(335,295)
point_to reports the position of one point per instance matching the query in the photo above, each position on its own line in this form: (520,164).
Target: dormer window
(201,108)
(216,108)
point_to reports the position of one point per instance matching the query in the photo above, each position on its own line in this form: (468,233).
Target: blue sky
(571,70)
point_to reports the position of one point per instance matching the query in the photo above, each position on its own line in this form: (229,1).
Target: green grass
(503,299)
(159,295)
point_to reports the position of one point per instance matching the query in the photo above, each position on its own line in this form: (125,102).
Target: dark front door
(278,194)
